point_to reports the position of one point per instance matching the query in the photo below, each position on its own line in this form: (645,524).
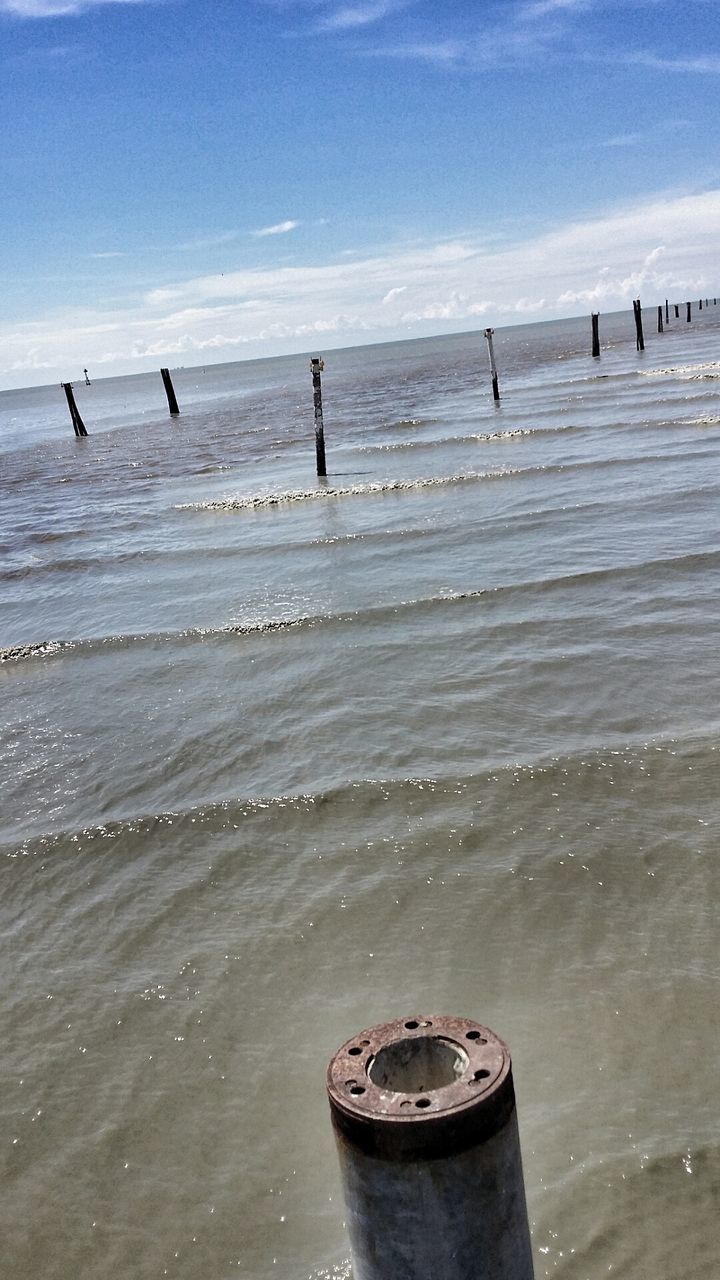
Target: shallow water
(280,759)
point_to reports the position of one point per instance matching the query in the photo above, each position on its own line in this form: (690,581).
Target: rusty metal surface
(472,1106)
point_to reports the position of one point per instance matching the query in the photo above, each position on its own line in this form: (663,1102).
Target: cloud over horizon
(657,247)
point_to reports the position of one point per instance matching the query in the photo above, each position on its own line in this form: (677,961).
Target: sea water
(281,758)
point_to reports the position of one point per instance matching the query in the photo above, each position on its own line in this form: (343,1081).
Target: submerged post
(677,310)
(660,320)
(640,341)
(169,391)
(78,424)
(493,367)
(700,304)
(317,365)
(689,312)
(424,1116)
(595,318)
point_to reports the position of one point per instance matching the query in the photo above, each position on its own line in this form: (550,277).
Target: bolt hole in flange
(417,1065)
(482,1074)
(475,1035)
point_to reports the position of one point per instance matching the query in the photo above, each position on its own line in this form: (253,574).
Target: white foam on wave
(40,649)
(338,491)
(692,372)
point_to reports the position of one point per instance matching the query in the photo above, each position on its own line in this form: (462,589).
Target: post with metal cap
(493,368)
(317,365)
(78,424)
(169,391)
(424,1116)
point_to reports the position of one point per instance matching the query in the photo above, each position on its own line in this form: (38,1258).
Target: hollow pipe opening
(417,1064)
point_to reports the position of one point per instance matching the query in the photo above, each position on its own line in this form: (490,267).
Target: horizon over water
(282,758)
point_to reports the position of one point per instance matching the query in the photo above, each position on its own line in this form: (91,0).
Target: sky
(194,181)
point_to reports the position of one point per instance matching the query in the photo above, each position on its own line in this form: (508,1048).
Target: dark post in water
(169,391)
(637,309)
(77,421)
(689,312)
(424,1116)
(667,312)
(595,318)
(660,320)
(700,304)
(317,365)
(493,367)
(677,310)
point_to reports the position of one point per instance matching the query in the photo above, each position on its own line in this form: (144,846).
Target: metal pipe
(424,1116)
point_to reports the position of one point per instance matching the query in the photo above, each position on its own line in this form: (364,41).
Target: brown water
(443,739)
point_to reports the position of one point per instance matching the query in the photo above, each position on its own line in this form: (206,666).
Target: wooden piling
(169,391)
(78,424)
(667,312)
(317,365)
(493,368)
(637,310)
(595,318)
(689,312)
(699,304)
(677,310)
(660,320)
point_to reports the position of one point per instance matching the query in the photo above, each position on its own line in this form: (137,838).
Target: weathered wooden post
(667,312)
(169,391)
(689,312)
(700,304)
(317,365)
(78,424)
(595,319)
(677,310)
(424,1116)
(660,320)
(493,367)
(640,341)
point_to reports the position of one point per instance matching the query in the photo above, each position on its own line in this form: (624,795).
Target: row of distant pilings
(317,365)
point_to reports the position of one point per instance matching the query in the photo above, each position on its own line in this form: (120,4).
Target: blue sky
(187,181)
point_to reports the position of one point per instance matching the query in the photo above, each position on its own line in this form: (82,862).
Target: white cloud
(393,294)
(54,8)
(623,140)
(702,65)
(358,15)
(663,247)
(279,228)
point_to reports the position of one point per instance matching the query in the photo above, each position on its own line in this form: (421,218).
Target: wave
(268,500)
(338,491)
(217,814)
(689,562)
(694,372)
(485,437)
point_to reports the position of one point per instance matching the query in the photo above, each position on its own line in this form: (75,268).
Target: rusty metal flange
(421,1086)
